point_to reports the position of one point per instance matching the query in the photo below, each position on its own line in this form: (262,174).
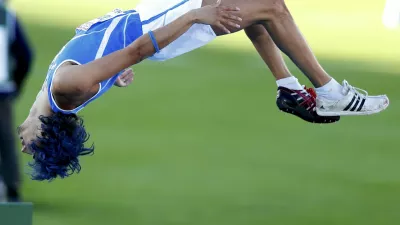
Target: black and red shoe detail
(301,103)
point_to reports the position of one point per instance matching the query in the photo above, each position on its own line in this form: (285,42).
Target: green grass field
(198,140)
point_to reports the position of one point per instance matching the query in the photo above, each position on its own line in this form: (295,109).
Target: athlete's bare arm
(77,80)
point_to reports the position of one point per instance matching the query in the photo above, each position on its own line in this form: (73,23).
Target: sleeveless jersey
(93,40)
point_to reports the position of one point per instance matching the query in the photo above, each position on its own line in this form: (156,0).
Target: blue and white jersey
(93,40)
(117,29)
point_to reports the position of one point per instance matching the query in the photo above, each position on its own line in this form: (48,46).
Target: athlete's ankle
(289,82)
(331,90)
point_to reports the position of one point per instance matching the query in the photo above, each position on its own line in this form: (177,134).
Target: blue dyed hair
(56,151)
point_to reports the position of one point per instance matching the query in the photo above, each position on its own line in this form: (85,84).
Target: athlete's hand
(125,78)
(219,16)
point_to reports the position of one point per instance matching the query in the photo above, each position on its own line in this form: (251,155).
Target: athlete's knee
(255,31)
(276,10)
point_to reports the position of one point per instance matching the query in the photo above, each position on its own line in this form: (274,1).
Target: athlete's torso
(107,34)
(93,40)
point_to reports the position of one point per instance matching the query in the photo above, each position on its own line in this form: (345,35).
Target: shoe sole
(350,113)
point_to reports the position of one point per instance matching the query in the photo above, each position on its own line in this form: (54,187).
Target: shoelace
(311,91)
(358,90)
(313,94)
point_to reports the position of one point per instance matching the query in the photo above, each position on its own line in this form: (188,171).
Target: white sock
(332,90)
(289,82)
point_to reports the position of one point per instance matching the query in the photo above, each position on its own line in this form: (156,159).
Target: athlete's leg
(334,99)
(292,97)
(268,51)
(276,18)
(288,37)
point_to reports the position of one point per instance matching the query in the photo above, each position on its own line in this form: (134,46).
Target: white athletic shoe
(353,103)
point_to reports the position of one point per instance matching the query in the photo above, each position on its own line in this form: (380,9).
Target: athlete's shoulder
(86,26)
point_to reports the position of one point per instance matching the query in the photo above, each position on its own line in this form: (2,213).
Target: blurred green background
(198,139)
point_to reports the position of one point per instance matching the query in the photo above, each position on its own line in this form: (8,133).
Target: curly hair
(56,151)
